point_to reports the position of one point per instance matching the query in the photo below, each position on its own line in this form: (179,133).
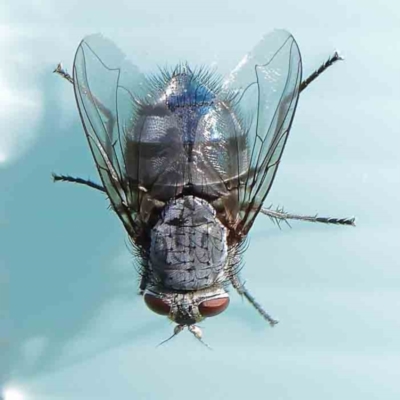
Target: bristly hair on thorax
(234,262)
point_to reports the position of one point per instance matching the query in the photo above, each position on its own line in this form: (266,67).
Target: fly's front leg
(239,286)
(143,283)
(331,60)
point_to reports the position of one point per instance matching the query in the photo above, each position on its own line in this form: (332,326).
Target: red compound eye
(157,305)
(210,308)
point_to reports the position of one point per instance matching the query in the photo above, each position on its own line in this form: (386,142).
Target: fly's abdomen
(188,246)
(190,137)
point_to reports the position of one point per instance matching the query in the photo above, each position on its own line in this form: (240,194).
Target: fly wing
(265,86)
(106,89)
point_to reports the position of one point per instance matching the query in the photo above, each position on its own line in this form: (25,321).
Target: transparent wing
(103,81)
(265,85)
(151,143)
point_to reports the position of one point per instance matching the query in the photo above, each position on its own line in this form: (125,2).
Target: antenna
(198,334)
(177,329)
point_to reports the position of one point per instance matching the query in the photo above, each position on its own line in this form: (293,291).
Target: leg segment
(62,72)
(320,70)
(280,215)
(239,286)
(67,178)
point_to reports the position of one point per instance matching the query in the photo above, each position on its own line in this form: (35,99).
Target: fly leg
(87,182)
(104,110)
(280,215)
(331,60)
(109,126)
(239,286)
(143,283)
(63,73)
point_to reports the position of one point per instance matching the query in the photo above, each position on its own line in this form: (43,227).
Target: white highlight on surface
(19,110)
(13,394)
(241,64)
(20,101)
(236,70)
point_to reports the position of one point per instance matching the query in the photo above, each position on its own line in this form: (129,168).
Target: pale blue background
(72,325)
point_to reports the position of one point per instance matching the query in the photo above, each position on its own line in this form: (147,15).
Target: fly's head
(187,309)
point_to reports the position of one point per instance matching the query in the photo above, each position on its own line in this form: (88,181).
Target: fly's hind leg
(239,286)
(63,73)
(329,62)
(109,121)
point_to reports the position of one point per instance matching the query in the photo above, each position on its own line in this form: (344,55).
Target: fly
(187,160)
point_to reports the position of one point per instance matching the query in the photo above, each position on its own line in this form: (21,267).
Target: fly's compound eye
(157,305)
(210,308)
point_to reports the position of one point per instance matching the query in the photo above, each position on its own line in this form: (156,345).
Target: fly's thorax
(189,248)
(187,308)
